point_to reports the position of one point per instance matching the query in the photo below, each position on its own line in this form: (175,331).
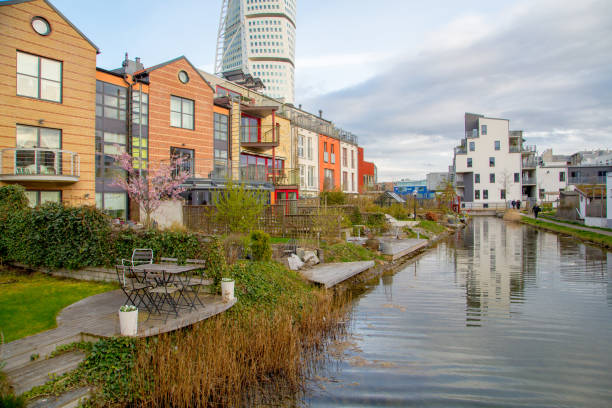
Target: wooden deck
(331,274)
(397,248)
(97,316)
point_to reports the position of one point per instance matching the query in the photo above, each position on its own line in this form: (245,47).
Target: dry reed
(240,359)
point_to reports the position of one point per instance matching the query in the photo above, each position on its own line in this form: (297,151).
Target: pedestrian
(536,210)
(518,204)
(513,204)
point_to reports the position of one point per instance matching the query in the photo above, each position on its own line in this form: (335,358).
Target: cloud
(544,65)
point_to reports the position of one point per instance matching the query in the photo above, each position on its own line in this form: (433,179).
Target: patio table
(169,275)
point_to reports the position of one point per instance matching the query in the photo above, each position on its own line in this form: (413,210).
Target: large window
(39,77)
(561,176)
(328,182)
(300,146)
(352,159)
(48,159)
(469,162)
(344,157)
(311,177)
(249,129)
(114,204)
(344,180)
(309,148)
(111,101)
(40,197)
(181,112)
(220,126)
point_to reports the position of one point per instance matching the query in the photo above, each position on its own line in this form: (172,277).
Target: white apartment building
(492,166)
(308,150)
(552,176)
(258,37)
(348,166)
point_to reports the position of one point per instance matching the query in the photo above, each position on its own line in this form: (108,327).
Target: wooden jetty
(330,274)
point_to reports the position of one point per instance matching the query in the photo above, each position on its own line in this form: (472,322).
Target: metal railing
(587,179)
(529,148)
(42,163)
(461,150)
(515,133)
(529,163)
(529,181)
(515,149)
(278,177)
(264,135)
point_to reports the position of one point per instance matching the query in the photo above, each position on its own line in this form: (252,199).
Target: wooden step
(39,372)
(69,399)
(19,352)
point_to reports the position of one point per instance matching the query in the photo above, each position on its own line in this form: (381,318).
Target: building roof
(59,13)
(163,64)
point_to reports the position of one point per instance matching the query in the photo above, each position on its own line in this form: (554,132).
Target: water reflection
(502,315)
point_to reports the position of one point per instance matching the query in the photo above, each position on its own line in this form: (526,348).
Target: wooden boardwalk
(330,274)
(397,248)
(97,316)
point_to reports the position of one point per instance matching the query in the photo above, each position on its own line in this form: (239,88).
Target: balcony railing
(529,181)
(515,133)
(515,149)
(460,150)
(278,177)
(529,149)
(471,134)
(460,183)
(264,136)
(529,164)
(40,165)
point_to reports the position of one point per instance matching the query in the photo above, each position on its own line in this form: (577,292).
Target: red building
(329,163)
(367,172)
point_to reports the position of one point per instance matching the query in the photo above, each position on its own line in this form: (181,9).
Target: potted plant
(128,320)
(227,289)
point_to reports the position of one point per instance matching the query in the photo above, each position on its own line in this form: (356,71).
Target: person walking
(513,204)
(518,204)
(536,210)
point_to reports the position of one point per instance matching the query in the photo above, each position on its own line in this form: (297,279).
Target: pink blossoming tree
(162,184)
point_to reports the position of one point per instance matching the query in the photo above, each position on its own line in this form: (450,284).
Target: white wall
(351,168)
(547,177)
(168,213)
(506,163)
(308,161)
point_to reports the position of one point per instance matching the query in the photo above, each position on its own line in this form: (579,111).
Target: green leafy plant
(128,308)
(335,197)
(239,208)
(216,264)
(260,246)
(13,198)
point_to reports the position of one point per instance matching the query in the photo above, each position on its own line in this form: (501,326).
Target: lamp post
(414,196)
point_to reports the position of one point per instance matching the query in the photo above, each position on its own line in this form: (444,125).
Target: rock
(372,243)
(310,258)
(300,253)
(294,262)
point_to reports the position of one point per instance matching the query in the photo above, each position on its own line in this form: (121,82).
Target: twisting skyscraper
(258,37)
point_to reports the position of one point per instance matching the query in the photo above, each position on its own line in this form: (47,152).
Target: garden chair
(135,289)
(140,256)
(162,292)
(193,284)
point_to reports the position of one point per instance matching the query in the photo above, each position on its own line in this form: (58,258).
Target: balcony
(459,184)
(528,149)
(277,177)
(460,150)
(529,164)
(260,137)
(515,133)
(515,149)
(39,165)
(529,181)
(471,134)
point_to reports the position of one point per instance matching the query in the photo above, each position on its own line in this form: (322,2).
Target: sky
(400,74)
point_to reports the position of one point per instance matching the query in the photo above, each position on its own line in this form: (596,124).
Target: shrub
(356,216)
(216,265)
(398,211)
(260,246)
(235,247)
(239,208)
(335,197)
(13,198)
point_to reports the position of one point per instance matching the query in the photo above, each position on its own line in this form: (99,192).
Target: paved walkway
(97,316)
(578,227)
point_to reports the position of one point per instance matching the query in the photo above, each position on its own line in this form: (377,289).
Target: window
(114,204)
(477,194)
(325,156)
(483,129)
(187,159)
(352,159)
(542,194)
(472,146)
(491,161)
(39,77)
(352,181)
(497,145)
(476,178)
(561,176)
(309,148)
(328,183)
(111,102)
(40,197)
(181,112)
(249,129)
(30,161)
(492,178)
(485,194)
(344,157)
(502,194)
(344,180)
(332,156)
(516,177)
(469,162)
(311,172)
(220,123)
(302,176)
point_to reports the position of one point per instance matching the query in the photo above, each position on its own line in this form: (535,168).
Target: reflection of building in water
(491,268)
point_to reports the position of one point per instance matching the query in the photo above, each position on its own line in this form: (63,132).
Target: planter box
(128,323)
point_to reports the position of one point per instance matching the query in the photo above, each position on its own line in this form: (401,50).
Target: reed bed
(247,358)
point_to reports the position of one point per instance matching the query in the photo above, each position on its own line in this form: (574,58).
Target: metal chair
(163,291)
(140,256)
(136,291)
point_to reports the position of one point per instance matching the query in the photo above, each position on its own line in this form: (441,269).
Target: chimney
(300,106)
(320,113)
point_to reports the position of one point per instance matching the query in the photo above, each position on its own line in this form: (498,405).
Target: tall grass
(251,358)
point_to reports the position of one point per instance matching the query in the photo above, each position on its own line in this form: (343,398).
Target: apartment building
(48,93)
(551,175)
(308,148)
(349,162)
(492,165)
(329,165)
(367,173)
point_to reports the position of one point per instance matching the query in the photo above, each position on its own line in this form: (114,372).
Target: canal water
(501,315)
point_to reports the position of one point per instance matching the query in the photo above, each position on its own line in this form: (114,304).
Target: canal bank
(597,236)
(501,314)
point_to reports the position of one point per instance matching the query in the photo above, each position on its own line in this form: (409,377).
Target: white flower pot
(227,289)
(128,322)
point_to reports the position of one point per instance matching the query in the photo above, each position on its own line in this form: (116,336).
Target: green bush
(260,246)
(398,211)
(13,198)
(355,216)
(216,265)
(335,197)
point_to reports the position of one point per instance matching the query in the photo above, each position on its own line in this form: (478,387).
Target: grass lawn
(29,303)
(601,239)
(431,226)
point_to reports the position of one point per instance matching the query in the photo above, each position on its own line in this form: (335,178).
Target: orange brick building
(329,163)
